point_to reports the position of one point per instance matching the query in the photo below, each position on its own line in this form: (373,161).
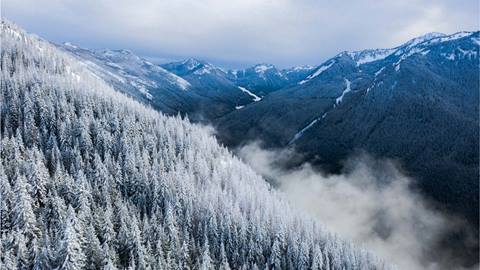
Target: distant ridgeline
(91,179)
(416,103)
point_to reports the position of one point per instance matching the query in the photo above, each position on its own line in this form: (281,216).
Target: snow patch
(179,81)
(468,53)
(68,44)
(113,65)
(190,63)
(476,40)
(379,71)
(367,56)
(302,131)
(245,90)
(203,70)
(319,71)
(347,89)
(300,68)
(262,68)
(450,56)
(239,107)
(418,40)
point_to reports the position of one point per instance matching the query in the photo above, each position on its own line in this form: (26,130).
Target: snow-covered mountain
(164,90)
(91,179)
(416,103)
(265,78)
(134,75)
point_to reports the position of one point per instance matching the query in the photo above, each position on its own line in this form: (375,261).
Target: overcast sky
(240,32)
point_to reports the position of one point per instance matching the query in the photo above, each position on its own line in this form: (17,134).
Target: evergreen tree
(71,252)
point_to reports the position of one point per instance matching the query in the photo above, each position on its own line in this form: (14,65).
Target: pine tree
(205,262)
(317,258)
(275,260)
(23,219)
(223,258)
(71,252)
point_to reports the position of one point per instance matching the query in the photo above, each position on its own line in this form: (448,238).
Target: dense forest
(91,179)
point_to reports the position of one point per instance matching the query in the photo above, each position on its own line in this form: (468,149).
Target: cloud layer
(370,203)
(241,32)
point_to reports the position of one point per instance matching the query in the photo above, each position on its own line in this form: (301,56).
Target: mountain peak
(261,68)
(192,63)
(420,39)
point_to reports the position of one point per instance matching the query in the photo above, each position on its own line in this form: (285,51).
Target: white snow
(347,89)
(202,71)
(450,56)
(302,131)
(300,68)
(262,68)
(239,107)
(255,97)
(191,63)
(379,71)
(68,44)
(14,33)
(462,53)
(468,53)
(414,42)
(338,101)
(448,38)
(141,88)
(425,52)
(476,41)
(319,71)
(95,67)
(179,81)
(367,56)
(409,53)
(113,65)
(455,36)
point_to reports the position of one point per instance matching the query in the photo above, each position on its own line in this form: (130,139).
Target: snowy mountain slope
(137,77)
(414,103)
(92,179)
(154,85)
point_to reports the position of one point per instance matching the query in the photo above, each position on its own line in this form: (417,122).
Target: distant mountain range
(263,79)
(416,103)
(194,87)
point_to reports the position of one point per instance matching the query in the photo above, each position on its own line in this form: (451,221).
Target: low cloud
(371,203)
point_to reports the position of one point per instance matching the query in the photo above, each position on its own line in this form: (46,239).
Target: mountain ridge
(411,105)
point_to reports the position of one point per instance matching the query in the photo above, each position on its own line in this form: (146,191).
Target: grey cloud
(283,32)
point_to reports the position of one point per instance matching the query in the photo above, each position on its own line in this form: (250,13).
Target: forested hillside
(91,179)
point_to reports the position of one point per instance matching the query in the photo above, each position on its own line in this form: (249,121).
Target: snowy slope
(166,91)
